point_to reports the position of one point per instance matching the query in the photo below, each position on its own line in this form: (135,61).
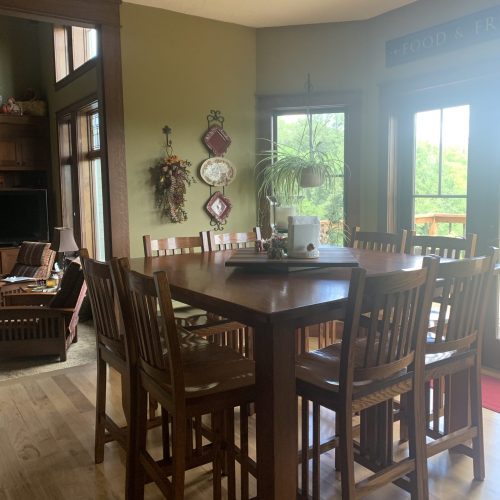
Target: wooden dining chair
(379,241)
(368,369)
(444,246)
(231,241)
(204,323)
(455,345)
(110,349)
(449,247)
(188,381)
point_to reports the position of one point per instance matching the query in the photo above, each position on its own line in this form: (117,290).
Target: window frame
(350,103)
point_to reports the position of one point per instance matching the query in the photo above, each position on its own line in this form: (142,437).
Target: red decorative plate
(218,206)
(217,140)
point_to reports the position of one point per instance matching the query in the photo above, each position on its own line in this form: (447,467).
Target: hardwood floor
(47,443)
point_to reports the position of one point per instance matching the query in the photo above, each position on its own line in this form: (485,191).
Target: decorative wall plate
(217,171)
(218,206)
(217,140)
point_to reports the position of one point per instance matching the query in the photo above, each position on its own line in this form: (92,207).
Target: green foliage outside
(453,182)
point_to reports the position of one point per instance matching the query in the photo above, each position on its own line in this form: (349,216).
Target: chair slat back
(231,241)
(152,339)
(171,246)
(398,304)
(101,293)
(379,241)
(462,295)
(444,246)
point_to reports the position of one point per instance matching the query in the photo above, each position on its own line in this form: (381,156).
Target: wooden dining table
(274,303)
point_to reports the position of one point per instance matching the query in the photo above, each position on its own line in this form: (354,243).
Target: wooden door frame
(105,15)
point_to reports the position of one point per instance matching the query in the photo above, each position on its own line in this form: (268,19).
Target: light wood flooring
(47,443)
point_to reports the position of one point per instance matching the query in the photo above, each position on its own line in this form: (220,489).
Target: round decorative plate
(217,171)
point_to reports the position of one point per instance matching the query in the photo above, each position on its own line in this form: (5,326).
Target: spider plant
(284,170)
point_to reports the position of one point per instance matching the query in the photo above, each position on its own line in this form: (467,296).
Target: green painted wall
(176,68)
(19,62)
(351,56)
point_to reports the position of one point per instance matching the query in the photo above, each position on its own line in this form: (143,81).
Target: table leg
(276,408)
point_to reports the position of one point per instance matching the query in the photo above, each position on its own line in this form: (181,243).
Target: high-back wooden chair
(231,241)
(379,241)
(187,381)
(444,246)
(370,367)
(173,245)
(205,324)
(455,345)
(110,348)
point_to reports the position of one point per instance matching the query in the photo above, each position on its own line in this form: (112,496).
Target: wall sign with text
(478,27)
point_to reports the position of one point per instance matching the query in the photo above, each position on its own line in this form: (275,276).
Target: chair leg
(403,418)
(346,453)
(417,446)
(135,475)
(179,452)
(477,422)
(229,454)
(217,424)
(305,448)
(244,451)
(316,450)
(165,433)
(100,410)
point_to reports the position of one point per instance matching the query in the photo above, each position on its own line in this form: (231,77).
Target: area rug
(491,392)
(81,353)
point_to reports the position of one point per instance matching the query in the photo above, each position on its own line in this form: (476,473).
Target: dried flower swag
(171,176)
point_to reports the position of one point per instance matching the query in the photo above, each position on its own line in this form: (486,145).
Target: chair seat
(210,369)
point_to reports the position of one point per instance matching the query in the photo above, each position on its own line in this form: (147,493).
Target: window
(440,173)
(82,195)
(73,47)
(328,128)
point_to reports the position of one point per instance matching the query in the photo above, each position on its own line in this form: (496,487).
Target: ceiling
(266,13)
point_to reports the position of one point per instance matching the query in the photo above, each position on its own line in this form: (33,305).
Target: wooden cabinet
(24,144)
(8,256)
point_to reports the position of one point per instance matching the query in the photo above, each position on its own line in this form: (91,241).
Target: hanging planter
(171,176)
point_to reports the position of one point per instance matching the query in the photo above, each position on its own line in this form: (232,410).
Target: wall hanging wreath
(171,176)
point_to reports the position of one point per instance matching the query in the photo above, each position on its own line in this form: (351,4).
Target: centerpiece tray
(328,257)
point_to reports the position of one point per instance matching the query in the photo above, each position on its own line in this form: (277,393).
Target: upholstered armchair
(34,324)
(35,260)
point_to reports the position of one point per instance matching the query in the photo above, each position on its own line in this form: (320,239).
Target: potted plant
(285,171)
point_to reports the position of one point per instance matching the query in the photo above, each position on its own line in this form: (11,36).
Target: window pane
(455,150)
(427,141)
(61,52)
(328,130)
(67,195)
(100,249)
(84,45)
(95,141)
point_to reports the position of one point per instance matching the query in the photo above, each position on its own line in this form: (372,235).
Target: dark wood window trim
(104,15)
(347,102)
(76,73)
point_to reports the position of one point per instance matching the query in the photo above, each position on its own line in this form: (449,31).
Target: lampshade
(63,240)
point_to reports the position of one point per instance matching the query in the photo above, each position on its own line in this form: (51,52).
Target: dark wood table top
(254,296)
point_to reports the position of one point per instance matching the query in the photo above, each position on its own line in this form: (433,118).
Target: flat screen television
(23,216)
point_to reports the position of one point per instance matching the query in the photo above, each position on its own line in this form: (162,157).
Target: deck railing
(433,220)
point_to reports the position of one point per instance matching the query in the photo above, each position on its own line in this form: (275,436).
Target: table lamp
(63,241)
